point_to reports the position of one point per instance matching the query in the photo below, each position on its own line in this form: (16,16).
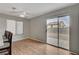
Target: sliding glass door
(52,31)
(58,31)
(64,32)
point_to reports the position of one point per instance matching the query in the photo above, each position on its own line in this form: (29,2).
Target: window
(16,27)
(11,26)
(19,27)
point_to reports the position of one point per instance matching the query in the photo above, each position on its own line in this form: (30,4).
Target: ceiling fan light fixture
(22,15)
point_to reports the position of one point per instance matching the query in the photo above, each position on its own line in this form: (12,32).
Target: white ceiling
(31,9)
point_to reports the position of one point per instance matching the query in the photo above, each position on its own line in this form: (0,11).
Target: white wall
(38,25)
(3,19)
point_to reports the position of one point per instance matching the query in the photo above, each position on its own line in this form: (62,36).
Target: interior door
(64,32)
(52,31)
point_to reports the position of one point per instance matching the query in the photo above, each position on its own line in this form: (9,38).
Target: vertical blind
(16,27)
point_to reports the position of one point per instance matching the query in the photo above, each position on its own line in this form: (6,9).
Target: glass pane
(11,26)
(19,27)
(52,31)
(64,32)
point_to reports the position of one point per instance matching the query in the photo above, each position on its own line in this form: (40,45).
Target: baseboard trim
(36,40)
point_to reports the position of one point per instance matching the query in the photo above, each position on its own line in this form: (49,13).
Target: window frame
(16,26)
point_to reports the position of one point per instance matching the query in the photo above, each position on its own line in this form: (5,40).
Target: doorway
(58,31)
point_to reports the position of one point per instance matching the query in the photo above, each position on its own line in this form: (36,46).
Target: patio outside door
(58,31)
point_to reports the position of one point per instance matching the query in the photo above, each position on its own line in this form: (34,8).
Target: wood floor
(31,47)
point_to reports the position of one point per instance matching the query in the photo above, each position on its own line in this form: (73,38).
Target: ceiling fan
(21,13)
